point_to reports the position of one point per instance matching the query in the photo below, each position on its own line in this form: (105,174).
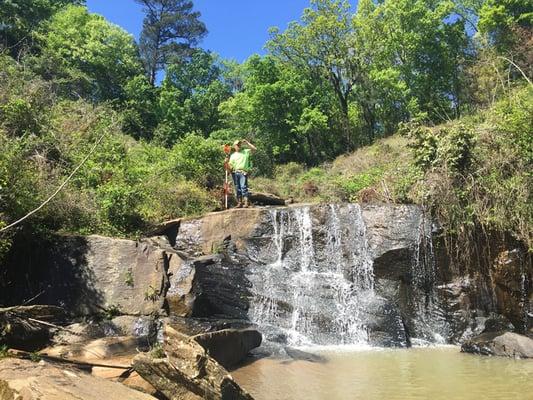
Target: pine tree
(171,28)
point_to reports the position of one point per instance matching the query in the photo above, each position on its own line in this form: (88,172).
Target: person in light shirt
(239,163)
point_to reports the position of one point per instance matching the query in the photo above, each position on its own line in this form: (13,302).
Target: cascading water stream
(315,292)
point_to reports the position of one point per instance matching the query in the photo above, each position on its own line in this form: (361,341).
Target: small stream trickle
(429,319)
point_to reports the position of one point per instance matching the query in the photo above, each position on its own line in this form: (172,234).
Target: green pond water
(433,373)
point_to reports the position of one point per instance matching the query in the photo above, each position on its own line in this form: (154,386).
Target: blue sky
(237,28)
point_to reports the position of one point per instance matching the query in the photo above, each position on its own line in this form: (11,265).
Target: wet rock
(299,355)
(187,372)
(506,344)
(497,323)
(26,380)
(386,327)
(392,233)
(511,276)
(229,346)
(208,286)
(169,229)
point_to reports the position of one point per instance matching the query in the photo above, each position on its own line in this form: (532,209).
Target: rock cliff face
(316,274)
(331,274)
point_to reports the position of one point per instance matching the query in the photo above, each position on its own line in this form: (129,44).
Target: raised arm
(251,146)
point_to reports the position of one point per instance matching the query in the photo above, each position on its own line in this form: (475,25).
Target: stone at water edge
(229,346)
(26,380)
(187,372)
(506,344)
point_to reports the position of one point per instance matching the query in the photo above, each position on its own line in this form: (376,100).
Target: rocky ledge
(505,344)
(205,280)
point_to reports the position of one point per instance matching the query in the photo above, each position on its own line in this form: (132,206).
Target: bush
(354,184)
(200,160)
(18,117)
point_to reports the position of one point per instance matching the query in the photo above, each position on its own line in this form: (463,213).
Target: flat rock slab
(117,347)
(505,344)
(26,380)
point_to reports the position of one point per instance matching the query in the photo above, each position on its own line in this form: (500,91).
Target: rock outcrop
(89,275)
(319,271)
(187,372)
(26,380)
(506,344)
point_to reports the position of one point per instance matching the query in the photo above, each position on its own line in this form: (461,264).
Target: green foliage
(333,82)
(354,184)
(450,147)
(199,160)
(4,353)
(157,351)
(78,40)
(128,278)
(140,108)
(151,294)
(20,19)
(513,117)
(111,311)
(35,357)
(497,18)
(190,97)
(19,118)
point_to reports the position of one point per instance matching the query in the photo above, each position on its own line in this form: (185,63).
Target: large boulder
(507,344)
(187,372)
(207,235)
(208,286)
(125,274)
(89,275)
(26,380)
(229,346)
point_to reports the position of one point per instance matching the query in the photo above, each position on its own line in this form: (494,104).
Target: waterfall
(316,287)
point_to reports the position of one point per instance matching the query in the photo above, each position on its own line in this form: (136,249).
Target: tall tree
(170,29)
(323,44)
(78,41)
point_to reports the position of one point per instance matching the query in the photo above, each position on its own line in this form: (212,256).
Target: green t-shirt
(241,160)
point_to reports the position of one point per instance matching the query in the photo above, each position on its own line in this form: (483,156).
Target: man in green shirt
(239,164)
